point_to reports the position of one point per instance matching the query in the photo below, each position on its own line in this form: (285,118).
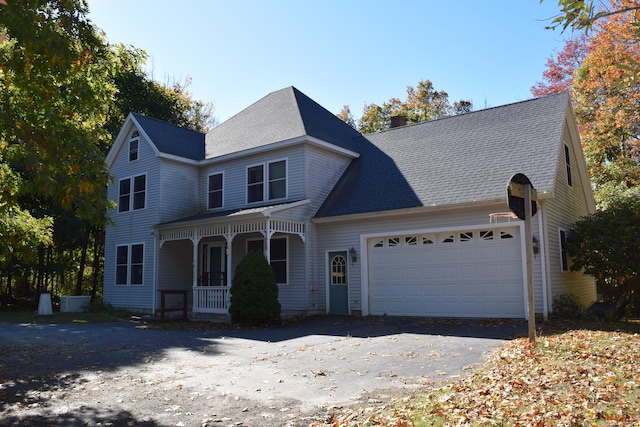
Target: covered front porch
(200,254)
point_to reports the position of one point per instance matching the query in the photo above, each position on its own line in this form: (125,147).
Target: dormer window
(134,141)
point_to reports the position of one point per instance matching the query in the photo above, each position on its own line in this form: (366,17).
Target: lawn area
(574,375)
(95,314)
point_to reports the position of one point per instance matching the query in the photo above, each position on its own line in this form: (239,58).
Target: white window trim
(221,190)
(131,193)
(288,254)
(265,180)
(129,246)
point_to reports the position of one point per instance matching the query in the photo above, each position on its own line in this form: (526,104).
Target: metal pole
(528,235)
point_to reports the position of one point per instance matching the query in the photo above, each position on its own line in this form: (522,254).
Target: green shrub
(567,306)
(254,292)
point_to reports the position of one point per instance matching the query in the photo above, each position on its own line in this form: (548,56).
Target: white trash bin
(44,305)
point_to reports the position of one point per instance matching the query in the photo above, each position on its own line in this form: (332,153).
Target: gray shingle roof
(172,139)
(456,160)
(282,115)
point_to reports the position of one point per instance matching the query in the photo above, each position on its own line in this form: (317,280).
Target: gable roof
(172,139)
(456,160)
(282,115)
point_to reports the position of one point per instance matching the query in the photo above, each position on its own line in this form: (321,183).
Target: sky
(338,52)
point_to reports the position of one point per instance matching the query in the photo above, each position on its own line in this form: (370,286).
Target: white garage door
(474,273)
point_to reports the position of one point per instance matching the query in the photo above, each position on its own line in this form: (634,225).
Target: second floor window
(215,191)
(274,175)
(132,197)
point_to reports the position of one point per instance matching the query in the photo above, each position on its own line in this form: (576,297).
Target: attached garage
(461,273)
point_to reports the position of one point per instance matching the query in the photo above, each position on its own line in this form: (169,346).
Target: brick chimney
(397,121)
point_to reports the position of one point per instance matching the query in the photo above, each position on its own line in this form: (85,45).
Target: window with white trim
(279,254)
(567,161)
(134,142)
(267,181)
(564,254)
(132,193)
(215,182)
(129,264)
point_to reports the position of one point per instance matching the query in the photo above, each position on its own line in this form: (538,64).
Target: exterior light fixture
(353,255)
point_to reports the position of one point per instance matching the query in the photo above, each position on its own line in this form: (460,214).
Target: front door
(338,286)
(213,265)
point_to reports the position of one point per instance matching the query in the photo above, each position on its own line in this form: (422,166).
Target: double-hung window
(267,181)
(215,191)
(278,254)
(129,264)
(132,193)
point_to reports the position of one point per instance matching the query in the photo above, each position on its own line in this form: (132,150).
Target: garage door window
(486,235)
(445,238)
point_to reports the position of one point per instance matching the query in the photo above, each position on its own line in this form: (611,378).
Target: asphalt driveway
(101,373)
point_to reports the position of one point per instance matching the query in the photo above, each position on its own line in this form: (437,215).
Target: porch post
(228,237)
(195,241)
(267,233)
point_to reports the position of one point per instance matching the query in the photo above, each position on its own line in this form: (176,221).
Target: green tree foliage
(254,292)
(138,93)
(55,92)
(64,93)
(423,103)
(606,245)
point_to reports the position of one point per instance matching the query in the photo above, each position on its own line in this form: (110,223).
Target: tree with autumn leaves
(423,103)
(600,68)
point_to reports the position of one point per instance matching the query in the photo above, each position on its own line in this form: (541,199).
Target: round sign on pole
(515,195)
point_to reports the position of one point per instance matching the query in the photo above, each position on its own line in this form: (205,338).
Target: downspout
(543,260)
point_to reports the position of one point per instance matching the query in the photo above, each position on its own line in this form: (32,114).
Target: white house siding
(133,227)
(172,274)
(343,235)
(179,195)
(566,207)
(235,176)
(324,169)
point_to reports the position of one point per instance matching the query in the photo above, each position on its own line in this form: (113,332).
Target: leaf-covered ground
(575,377)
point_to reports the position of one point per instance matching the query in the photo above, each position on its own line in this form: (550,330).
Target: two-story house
(411,221)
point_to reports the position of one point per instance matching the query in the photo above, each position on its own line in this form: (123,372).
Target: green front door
(338,283)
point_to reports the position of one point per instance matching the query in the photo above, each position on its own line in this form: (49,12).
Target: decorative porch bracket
(267,227)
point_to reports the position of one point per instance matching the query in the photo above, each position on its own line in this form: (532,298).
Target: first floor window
(277,253)
(129,264)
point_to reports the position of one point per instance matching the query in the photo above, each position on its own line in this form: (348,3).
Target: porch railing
(211,299)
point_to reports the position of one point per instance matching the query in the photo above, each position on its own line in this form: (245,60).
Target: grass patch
(572,376)
(96,314)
